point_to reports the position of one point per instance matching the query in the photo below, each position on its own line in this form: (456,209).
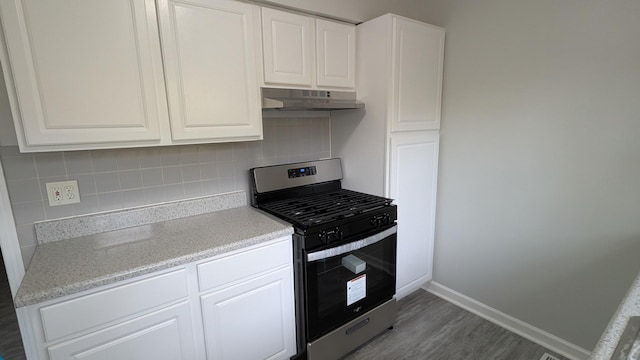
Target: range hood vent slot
(309,100)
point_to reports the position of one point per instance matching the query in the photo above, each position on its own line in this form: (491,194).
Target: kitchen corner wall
(539,178)
(123,178)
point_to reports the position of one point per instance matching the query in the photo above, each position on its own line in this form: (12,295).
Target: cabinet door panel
(412,183)
(85,71)
(336,54)
(210,64)
(287,46)
(162,335)
(258,312)
(417,61)
(123,301)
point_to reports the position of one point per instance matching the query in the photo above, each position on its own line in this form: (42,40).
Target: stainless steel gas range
(344,254)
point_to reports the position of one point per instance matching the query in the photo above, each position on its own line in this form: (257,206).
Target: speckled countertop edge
(70,266)
(72,227)
(630,306)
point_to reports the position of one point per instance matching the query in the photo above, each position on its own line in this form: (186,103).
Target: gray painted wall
(539,189)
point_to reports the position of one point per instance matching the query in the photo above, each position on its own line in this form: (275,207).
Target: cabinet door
(251,320)
(85,71)
(413,166)
(164,334)
(287,46)
(417,59)
(209,49)
(336,54)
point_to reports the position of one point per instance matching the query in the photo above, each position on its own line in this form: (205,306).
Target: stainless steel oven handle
(355,245)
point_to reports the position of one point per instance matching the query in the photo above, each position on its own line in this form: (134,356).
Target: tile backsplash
(123,178)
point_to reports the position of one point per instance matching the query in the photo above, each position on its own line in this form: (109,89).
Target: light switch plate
(63,193)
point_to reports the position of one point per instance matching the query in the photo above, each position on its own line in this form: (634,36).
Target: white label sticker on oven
(356,289)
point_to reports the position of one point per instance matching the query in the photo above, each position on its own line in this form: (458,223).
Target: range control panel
(303,171)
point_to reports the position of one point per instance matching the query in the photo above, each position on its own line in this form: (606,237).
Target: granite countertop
(69,266)
(630,306)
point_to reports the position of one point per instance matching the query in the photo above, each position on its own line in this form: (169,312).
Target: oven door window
(346,281)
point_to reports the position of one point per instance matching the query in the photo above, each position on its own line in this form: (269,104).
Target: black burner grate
(324,207)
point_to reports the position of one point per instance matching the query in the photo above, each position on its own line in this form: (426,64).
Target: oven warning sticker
(356,289)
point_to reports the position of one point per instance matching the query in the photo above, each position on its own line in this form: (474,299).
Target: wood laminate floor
(10,340)
(431,328)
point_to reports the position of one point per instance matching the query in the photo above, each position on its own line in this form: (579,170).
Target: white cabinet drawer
(162,335)
(235,267)
(85,312)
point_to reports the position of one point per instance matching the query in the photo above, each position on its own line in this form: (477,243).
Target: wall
(116,179)
(539,188)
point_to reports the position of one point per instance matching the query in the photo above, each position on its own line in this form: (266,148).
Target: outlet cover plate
(63,193)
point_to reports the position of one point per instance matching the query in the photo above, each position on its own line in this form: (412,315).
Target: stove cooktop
(324,208)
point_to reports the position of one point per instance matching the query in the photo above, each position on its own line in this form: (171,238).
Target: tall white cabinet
(391,149)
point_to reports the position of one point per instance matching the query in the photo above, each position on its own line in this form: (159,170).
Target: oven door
(345,281)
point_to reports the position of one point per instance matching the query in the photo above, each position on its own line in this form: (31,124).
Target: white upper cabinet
(84,71)
(336,54)
(305,52)
(287,46)
(417,61)
(91,74)
(209,49)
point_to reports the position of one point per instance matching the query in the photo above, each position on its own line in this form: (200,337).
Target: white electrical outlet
(63,193)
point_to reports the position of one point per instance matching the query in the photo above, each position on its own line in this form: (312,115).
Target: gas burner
(325,207)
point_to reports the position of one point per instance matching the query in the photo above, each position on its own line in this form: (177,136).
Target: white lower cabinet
(162,335)
(232,306)
(413,173)
(251,320)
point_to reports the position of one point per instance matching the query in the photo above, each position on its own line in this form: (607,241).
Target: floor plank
(431,328)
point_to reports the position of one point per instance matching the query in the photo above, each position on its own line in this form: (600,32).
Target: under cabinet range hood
(309,100)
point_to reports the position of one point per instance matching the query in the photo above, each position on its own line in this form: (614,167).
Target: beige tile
(151,177)
(190,173)
(150,158)
(131,179)
(104,160)
(107,182)
(20,167)
(172,175)
(128,159)
(28,213)
(50,164)
(78,162)
(24,190)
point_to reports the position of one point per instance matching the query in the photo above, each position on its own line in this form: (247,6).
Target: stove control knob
(323,236)
(329,236)
(380,220)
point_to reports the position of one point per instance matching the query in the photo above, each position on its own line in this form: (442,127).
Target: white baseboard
(411,287)
(508,322)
